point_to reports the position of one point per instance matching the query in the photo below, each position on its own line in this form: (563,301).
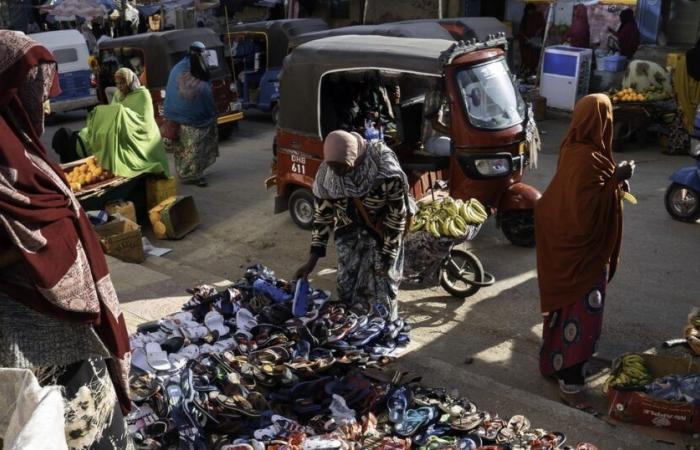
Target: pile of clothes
(267,364)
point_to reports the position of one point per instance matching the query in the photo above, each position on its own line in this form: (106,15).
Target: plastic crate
(615,63)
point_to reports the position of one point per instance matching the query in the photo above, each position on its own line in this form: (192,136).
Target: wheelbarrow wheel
(301,208)
(459,266)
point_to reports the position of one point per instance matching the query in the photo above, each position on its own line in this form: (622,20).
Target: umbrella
(88,9)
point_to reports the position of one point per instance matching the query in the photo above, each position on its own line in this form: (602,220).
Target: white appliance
(566,75)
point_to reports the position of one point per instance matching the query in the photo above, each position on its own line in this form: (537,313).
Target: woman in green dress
(124,135)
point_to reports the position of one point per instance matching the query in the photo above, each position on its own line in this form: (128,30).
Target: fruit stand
(95,186)
(635,112)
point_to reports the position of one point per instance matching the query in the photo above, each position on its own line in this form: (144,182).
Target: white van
(75,77)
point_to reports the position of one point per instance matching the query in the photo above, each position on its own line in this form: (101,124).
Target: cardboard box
(638,407)
(121,238)
(174,218)
(159,189)
(124,208)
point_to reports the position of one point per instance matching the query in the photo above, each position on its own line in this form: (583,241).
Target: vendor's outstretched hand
(305,270)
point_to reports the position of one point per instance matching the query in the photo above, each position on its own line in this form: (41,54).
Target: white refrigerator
(566,75)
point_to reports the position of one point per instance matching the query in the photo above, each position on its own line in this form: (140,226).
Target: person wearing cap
(362,196)
(190,115)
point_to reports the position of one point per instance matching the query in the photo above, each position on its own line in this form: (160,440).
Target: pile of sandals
(272,365)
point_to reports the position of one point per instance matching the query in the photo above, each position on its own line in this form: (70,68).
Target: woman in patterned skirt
(578,230)
(59,313)
(189,103)
(362,196)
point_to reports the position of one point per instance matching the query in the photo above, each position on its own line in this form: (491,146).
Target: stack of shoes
(269,364)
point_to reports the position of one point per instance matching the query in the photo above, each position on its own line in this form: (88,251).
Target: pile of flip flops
(271,365)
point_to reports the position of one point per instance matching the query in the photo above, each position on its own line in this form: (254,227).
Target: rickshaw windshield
(489,96)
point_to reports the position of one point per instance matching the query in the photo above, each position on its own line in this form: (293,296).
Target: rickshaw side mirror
(486,166)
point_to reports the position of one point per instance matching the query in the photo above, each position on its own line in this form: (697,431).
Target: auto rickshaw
(258,49)
(152,55)
(488,120)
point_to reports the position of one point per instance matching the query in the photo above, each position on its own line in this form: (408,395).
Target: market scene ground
(486,347)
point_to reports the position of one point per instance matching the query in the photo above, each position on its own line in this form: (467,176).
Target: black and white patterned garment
(94,420)
(369,266)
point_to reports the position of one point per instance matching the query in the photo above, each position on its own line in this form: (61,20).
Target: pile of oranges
(628,95)
(87,173)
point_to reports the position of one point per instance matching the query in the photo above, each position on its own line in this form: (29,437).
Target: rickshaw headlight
(162,93)
(695,147)
(233,87)
(492,167)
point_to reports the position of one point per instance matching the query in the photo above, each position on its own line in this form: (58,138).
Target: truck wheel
(301,208)
(518,226)
(682,203)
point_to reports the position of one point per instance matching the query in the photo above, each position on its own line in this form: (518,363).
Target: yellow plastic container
(672,59)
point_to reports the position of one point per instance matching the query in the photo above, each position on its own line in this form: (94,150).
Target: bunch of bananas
(631,372)
(447,217)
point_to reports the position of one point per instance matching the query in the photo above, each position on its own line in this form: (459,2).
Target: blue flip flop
(397,403)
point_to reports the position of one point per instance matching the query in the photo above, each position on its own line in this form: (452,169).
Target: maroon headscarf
(628,37)
(580,32)
(65,272)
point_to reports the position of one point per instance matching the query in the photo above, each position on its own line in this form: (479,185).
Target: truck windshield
(489,96)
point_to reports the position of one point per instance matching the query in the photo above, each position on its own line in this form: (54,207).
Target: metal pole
(230,51)
(439,9)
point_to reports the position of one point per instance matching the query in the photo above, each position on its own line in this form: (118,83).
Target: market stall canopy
(70,9)
(149,10)
(428,29)
(279,33)
(305,67)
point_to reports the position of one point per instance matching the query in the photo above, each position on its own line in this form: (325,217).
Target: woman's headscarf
(692,61)
(131,80)
(628,37)
(580,33)
(370,162)
(64,274)
(532,22)
(578,220)
(343,147)
(29,73)
(189,99)
(198,66)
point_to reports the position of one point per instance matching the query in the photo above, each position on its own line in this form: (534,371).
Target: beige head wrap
(343,147)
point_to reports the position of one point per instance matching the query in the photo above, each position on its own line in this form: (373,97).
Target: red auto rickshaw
(488,120)
(152,55)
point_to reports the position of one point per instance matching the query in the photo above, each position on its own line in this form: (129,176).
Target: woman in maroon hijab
(530,38)
(59,313)
(580,33)
(628,36)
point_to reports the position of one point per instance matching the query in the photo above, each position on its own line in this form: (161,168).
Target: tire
(275,113)
(682,203)
(469,266)
(301,208)
(518,226)
(226,130)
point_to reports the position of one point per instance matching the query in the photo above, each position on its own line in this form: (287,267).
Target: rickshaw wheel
(275,113)
(467,267)
(682,203)
(227,129)
(518,226)
(301,208)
